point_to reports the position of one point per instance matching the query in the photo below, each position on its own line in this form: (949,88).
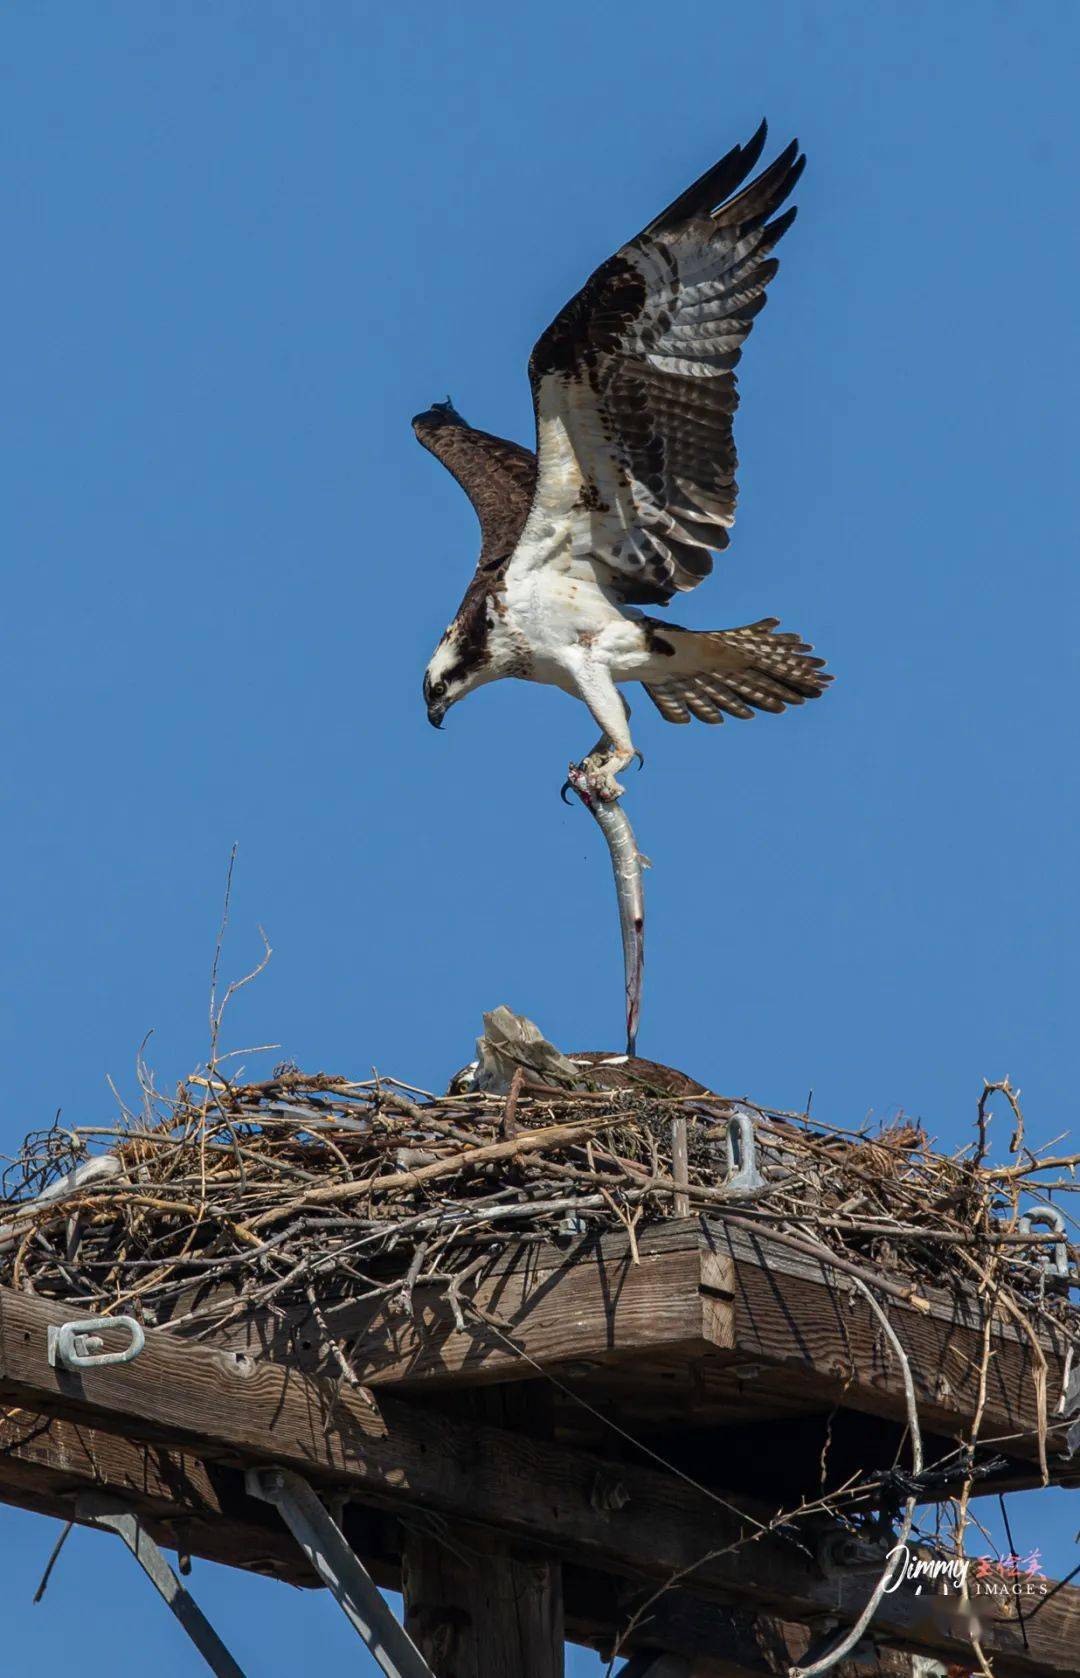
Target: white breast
(559,615)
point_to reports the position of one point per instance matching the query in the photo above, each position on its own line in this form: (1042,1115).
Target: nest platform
(569,1321)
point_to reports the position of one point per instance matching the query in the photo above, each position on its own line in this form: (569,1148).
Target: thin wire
(1058,1587)
(1013,1558)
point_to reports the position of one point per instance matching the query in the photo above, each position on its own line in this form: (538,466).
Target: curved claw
(567,785)
(640,759)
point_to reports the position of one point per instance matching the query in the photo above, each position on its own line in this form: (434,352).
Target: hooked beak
(435,715)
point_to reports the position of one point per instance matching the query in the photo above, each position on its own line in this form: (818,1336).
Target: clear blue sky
(245,243)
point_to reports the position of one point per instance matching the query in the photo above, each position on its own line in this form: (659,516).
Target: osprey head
(443,682)
(454,671)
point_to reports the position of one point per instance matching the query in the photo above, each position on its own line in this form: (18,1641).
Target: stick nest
(307,1187)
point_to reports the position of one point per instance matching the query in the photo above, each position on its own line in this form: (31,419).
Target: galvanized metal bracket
(743,1170)
(1050,1217)
(76,1346)
(113,1515)
(340,1569)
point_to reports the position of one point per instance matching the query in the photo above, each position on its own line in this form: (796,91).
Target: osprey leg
(614,750)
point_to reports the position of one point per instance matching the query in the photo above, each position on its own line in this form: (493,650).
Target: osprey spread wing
(632,487)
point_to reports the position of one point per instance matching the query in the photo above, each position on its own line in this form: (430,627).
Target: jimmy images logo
(967,1576)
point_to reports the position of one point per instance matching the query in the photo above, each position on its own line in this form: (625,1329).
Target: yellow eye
(438,690)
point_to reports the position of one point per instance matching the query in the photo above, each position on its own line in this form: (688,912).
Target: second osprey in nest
(632,485)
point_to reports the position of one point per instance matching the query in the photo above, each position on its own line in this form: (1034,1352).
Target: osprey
(511,1045)
(632,486)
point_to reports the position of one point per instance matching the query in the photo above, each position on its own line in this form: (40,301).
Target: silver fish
(628,865)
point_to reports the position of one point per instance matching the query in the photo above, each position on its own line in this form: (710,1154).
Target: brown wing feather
(606,1070)
(498,476)
(637,375)
(733,672)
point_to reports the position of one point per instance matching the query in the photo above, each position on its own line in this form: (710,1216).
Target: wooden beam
(562,1305)
(793,1316)
(197,1508)
(740,1313)
(618,1518)
(181,1393)
(202,1510)
(707,1329)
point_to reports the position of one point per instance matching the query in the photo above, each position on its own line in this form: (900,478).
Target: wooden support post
(475,1611)
(476,1605)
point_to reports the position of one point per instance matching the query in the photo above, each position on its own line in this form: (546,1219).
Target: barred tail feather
(710,674)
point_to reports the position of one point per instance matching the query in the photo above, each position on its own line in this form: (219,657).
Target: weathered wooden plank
(200,1509)
(229,1405)
(792,1315)
(655,1527)
(726,1315)
(182,1393)
(83,1455)
(560,1308)
(610,1309)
